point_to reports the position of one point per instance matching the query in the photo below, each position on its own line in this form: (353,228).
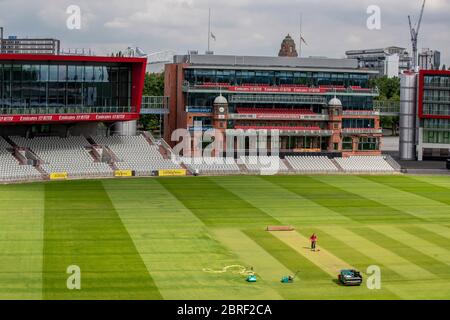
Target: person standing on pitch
(313,242)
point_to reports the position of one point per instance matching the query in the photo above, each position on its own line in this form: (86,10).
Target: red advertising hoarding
(278,89)
(49,118)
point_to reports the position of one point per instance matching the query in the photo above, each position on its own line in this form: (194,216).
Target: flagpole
(209,31)
(300,44)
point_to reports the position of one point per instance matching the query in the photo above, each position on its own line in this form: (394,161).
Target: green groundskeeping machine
(251,278)
(289,279)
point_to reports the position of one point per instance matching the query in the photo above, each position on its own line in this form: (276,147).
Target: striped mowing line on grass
(83,229)
(442,231)
(401,266)
(21,241)
(417,243)
(442,181)
(417,206)
(323,259)
(417,187)
(176,246)
(216,206)
(350,205)
(267,267)
(287,207)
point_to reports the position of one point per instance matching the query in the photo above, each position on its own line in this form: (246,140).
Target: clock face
(221,109)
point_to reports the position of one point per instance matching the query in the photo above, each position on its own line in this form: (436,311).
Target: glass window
(98,73)
(62,87)
(53,73)
(71,73)
(43,73)
(62,73)
(16,73)
(89,73)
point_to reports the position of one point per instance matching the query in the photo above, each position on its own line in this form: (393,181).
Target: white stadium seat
(264,164)
(220,166)
(10,168)
(69,155)
(365,164)
(313,164)
(135,153)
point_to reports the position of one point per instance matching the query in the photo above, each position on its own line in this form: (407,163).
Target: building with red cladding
(433,114)
(55,93)
(318,105)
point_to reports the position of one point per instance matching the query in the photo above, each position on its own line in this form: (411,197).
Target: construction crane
(415,35)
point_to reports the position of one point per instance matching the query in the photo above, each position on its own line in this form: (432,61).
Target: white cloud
(241,26)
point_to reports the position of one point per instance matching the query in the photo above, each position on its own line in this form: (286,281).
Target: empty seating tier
(366,164)
(313,164)
(10,168)
(220,166)
(69,155)
(135,153)
(264,164)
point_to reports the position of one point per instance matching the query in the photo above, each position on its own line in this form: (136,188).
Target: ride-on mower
(350,278)
(289,279)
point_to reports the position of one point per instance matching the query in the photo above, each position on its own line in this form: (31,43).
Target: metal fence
(155,105)
(387,107)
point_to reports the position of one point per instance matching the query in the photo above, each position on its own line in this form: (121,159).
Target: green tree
(153,86)
(389,91)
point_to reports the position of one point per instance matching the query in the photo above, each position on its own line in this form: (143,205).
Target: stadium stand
(69,155)
(366,164)
(99,156)
(135,153)
(10,168)
(261,164)
(313,164)
(219,166)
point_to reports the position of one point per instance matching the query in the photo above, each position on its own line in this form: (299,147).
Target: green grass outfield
(162,238)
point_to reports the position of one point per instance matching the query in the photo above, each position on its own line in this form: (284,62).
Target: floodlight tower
(415,35)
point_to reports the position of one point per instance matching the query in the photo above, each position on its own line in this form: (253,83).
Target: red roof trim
(63,58)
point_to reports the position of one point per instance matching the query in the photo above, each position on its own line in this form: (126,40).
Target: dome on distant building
(220,100)
(335,102)
(288,48)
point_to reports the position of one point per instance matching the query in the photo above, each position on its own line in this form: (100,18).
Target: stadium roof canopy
(273,63)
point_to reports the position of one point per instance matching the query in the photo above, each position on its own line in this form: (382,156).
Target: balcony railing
(283,132)
(200,128)
(436,128)
(440,86)
(368,113)
(155,105)
(429,100)
(433,112)
(387,107)
(194,109)
(348,131)
(189,87)
(277,99)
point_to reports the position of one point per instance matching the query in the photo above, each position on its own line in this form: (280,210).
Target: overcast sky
(250,27)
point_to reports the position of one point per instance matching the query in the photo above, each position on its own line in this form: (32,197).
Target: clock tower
(220,113)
